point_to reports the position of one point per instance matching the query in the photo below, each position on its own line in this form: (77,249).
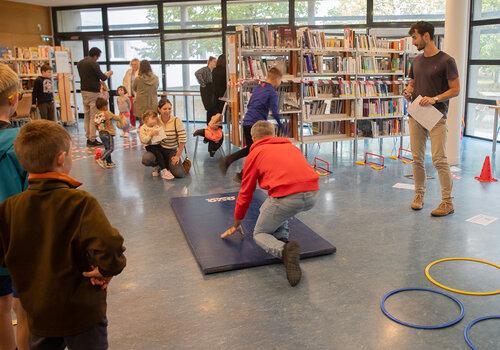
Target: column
(456,40)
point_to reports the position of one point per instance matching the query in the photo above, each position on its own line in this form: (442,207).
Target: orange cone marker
(486,175)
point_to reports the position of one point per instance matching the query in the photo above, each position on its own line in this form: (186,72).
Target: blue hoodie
(14,179)
(264,98)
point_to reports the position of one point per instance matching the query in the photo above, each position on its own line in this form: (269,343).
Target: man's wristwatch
(436,99)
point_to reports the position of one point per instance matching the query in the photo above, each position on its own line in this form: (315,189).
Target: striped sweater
(174,132)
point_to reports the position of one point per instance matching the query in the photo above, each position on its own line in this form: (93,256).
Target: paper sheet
(427,116)
(482,219)
(404,186)
(62,62)
(455,169)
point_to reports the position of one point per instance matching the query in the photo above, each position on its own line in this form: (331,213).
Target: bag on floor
(186,164)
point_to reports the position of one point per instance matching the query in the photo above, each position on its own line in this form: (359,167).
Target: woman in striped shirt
(175,140)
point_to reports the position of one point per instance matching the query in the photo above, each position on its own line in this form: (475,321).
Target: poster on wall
(62,62)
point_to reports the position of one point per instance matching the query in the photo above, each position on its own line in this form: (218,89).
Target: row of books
(380,108)
(261,36)
(330,88)
(39,52)
(30,68)
(330,107)
(256,68)
(333,128)
(336,64)
(377,128)
(370,64)
(288,99)
(371,42)
(376,88)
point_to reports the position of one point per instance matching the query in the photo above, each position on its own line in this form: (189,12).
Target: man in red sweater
(292,185)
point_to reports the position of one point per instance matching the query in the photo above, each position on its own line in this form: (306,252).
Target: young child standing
(264,99)
(14,180)
(104,124)
(124,109)
(151,134)
(43,93)
(68,248)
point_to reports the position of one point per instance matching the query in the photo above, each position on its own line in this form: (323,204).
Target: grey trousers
(272,223)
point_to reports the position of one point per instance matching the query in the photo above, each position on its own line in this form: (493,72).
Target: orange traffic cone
(486,172)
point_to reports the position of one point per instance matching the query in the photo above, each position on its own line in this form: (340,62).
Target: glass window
(180,77)
(119,71)
(99,43)
(486,42)
(321,12)
(179,15)
(142,47)
(84,20)
(408,11)
(257,12)
(76,48)
(192,46)
(484,82)
(480,120)
(486,9)
(133,18)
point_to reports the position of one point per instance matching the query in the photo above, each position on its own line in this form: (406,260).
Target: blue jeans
(109,145)
(95,338)
(272,223)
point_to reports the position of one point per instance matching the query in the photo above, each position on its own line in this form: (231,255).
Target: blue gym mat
(204,218)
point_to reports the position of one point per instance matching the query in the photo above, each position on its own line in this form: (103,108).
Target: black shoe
(199,132)
(223,166)
(98,143)
(238,177)
(91,143)
(291,256)
(212,154)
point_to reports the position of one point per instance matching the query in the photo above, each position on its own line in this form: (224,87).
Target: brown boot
(445,208)
(291,256)
(418,202)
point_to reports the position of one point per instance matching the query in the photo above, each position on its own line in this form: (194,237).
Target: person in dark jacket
(205,79)
(43,93)
(68,249)
(90,78)
(220,82)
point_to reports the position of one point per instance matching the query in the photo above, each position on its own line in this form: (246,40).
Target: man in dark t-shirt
(434,76)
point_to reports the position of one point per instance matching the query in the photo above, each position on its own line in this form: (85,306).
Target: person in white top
(128,81)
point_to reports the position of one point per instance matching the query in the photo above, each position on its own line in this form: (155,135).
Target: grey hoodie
(146,91)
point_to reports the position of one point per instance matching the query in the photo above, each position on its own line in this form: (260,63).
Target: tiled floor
(162,301)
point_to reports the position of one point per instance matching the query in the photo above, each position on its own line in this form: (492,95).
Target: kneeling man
(292,185)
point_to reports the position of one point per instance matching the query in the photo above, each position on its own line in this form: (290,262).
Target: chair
(23,111)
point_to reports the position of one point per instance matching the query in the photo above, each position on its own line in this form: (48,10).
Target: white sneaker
(167,175)
(155,172)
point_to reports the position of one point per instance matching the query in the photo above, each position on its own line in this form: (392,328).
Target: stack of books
(263,37)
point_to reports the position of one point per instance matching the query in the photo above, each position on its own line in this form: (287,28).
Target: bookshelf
(27,63)
(348,87)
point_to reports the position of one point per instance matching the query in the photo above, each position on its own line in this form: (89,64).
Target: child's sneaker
(110,165)
(156,172)
(167,175)
(101,163)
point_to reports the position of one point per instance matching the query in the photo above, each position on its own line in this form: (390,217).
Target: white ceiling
(54,3)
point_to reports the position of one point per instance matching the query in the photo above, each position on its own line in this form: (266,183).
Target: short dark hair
(45,67)
(38,144)
(163,102)
(421,28)
(123,88)
(100,103)
(95,52)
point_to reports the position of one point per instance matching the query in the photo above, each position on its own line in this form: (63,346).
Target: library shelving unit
(27,63)
(336,88)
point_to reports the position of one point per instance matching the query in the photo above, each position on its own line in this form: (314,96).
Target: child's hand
(97,279)
(155,133)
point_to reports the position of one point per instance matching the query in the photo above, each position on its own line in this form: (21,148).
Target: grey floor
(162,301)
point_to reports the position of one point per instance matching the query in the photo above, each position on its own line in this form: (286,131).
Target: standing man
(434,76)
(90,78)
(204,77)
(128,82)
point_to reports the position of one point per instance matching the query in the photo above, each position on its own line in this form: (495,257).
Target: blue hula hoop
(439,326)
(471,324)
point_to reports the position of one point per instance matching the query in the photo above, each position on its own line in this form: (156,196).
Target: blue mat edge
(226,268)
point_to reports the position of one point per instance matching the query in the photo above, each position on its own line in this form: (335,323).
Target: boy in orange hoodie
(280,168)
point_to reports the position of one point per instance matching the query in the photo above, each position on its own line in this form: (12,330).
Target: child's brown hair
(45,67)
(100,103)
(38,144)
(9,84)
(149,114)
(274,73)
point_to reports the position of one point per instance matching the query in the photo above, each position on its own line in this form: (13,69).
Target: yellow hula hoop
(429,277)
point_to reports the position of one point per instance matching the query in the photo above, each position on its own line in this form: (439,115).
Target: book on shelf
(379,88)
(327,88)
(257,68)
(387,65)
(336,64)
(316,39)
(29,53)
(325,107)
(340,128)
(372,43)
(30,67)
(262,37)
(379,128)
(379,108)
(288,97)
